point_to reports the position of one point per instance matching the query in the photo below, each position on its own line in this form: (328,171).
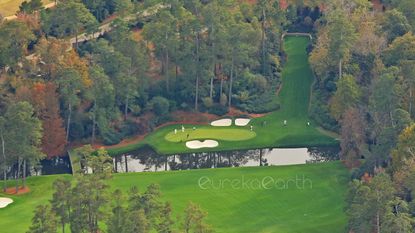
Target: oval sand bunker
(242,121)
(222,122)
(4,201)
(196,144)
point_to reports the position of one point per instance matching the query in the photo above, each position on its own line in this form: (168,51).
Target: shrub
(184,106)
(266,102)
(130,128)
(160,105)
(135,109)
(319,111)
(218,109)
(111,137)
(80,126)
(207,102)
(223,99)
(172,105)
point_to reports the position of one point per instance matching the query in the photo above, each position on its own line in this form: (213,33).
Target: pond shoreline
(147,160)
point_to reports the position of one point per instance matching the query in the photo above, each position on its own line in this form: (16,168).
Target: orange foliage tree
(44,98)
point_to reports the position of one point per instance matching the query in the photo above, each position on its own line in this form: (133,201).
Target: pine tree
(44,220)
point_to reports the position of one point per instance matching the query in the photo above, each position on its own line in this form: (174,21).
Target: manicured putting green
(226,134)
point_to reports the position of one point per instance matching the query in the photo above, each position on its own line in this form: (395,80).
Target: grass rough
(312,209)
(10,7)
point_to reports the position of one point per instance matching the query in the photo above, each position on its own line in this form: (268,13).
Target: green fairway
(210,133)
(286,207)
(294,98)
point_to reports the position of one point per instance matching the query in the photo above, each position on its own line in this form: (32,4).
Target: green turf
(10,7)
(294,99)
(225,134)
(316,208)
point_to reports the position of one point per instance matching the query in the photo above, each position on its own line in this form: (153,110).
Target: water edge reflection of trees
(149,160)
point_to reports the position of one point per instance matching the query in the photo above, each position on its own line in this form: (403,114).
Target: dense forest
(148,60)
(364,64)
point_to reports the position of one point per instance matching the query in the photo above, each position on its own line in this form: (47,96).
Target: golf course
(268,131)
(295,198)
(282,207)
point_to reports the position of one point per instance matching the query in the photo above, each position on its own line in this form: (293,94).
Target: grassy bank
(316,206)
(294,98)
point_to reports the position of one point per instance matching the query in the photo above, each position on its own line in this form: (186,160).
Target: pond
(146,159)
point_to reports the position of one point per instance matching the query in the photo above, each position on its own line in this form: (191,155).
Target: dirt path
(13,17)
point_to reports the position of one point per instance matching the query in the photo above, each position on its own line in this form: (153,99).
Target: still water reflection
(147,159)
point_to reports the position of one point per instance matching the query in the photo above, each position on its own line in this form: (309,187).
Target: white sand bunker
(4,201)
(222,122)
(196,144)
(242,121)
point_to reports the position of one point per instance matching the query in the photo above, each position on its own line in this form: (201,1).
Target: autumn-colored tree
(402,48)
(73,61)
(44,99)
(405,150)
(53,141)
(54,55)
(353,140)
(50,54)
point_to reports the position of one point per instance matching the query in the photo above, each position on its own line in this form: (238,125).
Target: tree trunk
(410,100)
(377,222)
(197,93)
(263,41)
(391,118)
(211,88)
(68,122)
(197,73)
(24,173)
(126,164)
(340,68)
(214,66)
(260,157)
(18,175)
(126,107)
(221,89)
(4,165)
(167,71)
(93,124)
(76,41)
(230,84)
